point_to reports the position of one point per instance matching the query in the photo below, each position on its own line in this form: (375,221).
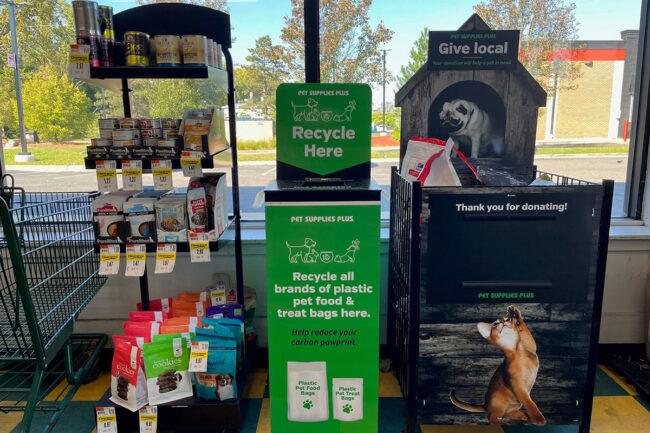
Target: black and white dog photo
(472,127)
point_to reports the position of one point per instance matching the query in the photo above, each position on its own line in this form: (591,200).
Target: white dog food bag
(428,160)
(347,399)
(307,395)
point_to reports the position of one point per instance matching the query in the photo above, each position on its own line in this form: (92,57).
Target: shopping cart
(48,274)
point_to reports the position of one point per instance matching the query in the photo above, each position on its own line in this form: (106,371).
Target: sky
(252,19)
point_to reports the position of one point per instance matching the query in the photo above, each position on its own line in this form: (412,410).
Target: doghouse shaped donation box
(474,89)
(495,288)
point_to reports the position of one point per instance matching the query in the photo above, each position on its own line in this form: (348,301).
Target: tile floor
(617,409)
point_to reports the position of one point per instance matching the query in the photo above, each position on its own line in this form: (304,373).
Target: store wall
(624,310)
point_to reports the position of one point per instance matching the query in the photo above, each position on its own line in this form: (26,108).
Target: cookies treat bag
(166,364)
(128,383)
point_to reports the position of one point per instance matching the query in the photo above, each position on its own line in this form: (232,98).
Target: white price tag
(191,163)
(106,420)
(79,62)
(149,419)
(106,176)
(136,260)
(199,247)
(109,259)
(199,356)
(162,174)
(165,258)
(132,175)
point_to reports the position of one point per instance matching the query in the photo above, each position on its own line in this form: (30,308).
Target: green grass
(50,154)
(574,150)
(256,145)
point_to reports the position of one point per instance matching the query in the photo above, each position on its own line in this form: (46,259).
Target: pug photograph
(471,126)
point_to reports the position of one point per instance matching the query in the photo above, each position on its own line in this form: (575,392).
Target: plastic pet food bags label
(307,395)
(128,383)
(166,364)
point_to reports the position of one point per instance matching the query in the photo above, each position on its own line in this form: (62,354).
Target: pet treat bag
(147,316)
(218,382)
(428,160)
(141,329)
(193,297)
(347,399)
(307,395)
(197,208)
(164,304)
(134,341)
(236,328)
(166,364)
(190,308)
(184,320)
(186,336)
(128,383)
(231,311)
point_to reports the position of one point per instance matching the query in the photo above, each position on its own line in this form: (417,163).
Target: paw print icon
(307,404)
(347,409)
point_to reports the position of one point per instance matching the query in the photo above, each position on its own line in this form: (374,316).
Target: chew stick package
(231,311)
(166,364)
(184,320)
(141,329)
(164,304)
(218,382)
(307,395)
(128,383)
(147,316)
(190,308)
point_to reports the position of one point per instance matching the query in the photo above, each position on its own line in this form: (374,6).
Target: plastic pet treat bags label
(323,316)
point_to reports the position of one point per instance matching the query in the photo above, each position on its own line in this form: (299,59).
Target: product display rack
(183,19)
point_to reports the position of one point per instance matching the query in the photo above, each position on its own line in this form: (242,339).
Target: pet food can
(106,28)
(128,123)
(150,123)
(86,18)
(154,132)
(209,53)
(101,142)
(195,48)
(107,49)
(170,133)
(136,48)
(127,143)
(106,133)
(111,123)
(152,52)
(124,134)
(219,56)
(168,50)
(170,123)
(94,57)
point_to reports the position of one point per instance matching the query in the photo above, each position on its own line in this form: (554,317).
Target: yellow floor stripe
(256,383)
(619,415)
(9,421)
(92,391)
(388,385)
(619,380)
(461,429)
(264,421)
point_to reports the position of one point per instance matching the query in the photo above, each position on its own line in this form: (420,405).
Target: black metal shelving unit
(183,19)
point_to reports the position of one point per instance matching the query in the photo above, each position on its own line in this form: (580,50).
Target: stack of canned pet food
(171,50)
(136,138)
(94,27)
